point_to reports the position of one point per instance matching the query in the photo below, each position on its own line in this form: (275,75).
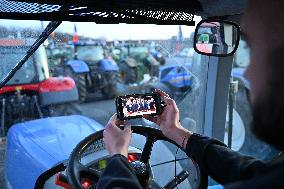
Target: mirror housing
(214,37)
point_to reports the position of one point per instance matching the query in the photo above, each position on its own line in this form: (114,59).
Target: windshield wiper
(43,36)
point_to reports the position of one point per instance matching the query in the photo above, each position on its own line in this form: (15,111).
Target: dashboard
(97,160)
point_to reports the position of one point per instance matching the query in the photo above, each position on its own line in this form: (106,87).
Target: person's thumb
(112,127)
(127,128)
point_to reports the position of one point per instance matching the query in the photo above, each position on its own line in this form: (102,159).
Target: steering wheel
(75,170)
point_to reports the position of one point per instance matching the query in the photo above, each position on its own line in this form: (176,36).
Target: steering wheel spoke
(146,153)
(79,166)
(84,170)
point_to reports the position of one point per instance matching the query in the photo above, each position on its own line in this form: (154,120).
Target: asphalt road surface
(100,111)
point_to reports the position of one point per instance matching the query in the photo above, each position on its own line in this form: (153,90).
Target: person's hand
(117,140)
(169,121)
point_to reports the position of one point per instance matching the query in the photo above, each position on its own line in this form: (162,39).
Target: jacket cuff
(122,158)
(119,156)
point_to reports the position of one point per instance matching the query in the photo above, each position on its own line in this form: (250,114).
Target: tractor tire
(127,74)
(249,144)
(114,87)
(80,81)
(70,108)
(82,88)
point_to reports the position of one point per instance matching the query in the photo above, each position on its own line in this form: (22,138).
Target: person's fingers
(104,133)
(150,118)
(105,138)
(170,102)
(115,121)
(112,128)
(162,93)
(107,127)
(127,128)
(112,119)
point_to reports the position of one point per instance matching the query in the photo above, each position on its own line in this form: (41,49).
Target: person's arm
(119,174)
(222,164)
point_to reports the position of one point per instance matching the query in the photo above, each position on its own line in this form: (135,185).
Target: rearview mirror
(216,37)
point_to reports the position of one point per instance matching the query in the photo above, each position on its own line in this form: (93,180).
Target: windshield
(77,87)
(138,50)
(57,55)
(8,57)
(90,54)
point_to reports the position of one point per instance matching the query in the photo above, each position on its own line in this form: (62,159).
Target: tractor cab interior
(71,101)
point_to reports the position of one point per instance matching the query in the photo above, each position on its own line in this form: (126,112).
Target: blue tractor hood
(106,65)
(36,146)
(239,73)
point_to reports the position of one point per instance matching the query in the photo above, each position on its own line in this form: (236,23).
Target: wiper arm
(43,36)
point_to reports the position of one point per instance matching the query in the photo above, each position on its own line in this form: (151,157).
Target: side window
(242,55)
(243,140)
(9,56)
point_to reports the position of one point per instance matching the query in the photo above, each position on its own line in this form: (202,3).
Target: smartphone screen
(133,106)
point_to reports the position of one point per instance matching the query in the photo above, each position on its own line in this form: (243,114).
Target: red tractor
(32,93)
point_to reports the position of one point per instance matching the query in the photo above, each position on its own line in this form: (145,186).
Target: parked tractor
(57,56)
(135,62)
(157,54)
(31,93)
(174,79)
(91,70)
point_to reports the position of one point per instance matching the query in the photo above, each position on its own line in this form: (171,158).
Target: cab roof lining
(217,8)
(164,12)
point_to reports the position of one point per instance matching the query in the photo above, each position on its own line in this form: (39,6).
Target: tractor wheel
(80,81)
(70,108)
(243,140)
(127,74)
(114,86)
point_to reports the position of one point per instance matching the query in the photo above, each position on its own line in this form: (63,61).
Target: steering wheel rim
(151,134)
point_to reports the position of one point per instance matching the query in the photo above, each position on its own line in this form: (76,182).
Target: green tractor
(135,62)
(57,56)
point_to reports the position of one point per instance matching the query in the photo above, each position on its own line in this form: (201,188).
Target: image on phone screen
(133,106)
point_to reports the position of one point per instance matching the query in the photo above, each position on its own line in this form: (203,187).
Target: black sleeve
(118,174)
(221,163)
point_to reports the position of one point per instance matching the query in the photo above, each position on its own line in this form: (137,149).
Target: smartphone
(137,105)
